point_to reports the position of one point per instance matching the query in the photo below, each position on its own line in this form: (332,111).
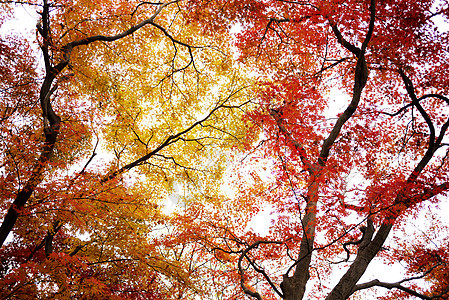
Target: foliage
(128,106)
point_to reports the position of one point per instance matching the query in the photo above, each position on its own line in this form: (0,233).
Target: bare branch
(411,92)
(398,285)
(353,49)
(67,49)
(330,66)
(390,286)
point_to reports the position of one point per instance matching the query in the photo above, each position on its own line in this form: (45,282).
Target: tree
(129,106)
(155,86)
(343,185)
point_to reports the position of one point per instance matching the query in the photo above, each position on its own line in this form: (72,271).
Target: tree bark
(51,131)
(367,251)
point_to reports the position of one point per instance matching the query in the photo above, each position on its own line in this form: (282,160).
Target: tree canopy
(142,140)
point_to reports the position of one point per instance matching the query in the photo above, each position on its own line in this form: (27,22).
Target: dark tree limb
(434,143)
(47,241)
(243,285)
(395,285)
(57,225)
(366,231)
(411,92)
(299,147)
(360,79)
(52,123)
(398,285)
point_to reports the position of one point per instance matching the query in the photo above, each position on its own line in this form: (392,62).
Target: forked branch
(244,254)
(399,285)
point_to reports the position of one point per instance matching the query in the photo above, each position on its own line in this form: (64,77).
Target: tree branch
(398,285)
(299,147)
(168,141)
(360,79)
(411,92)
(390,286)
(244,254)
(67,49)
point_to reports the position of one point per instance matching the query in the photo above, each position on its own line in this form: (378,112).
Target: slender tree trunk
(294,287)
(51,133)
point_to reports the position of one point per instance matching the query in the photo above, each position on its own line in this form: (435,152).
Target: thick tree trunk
(367,251)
